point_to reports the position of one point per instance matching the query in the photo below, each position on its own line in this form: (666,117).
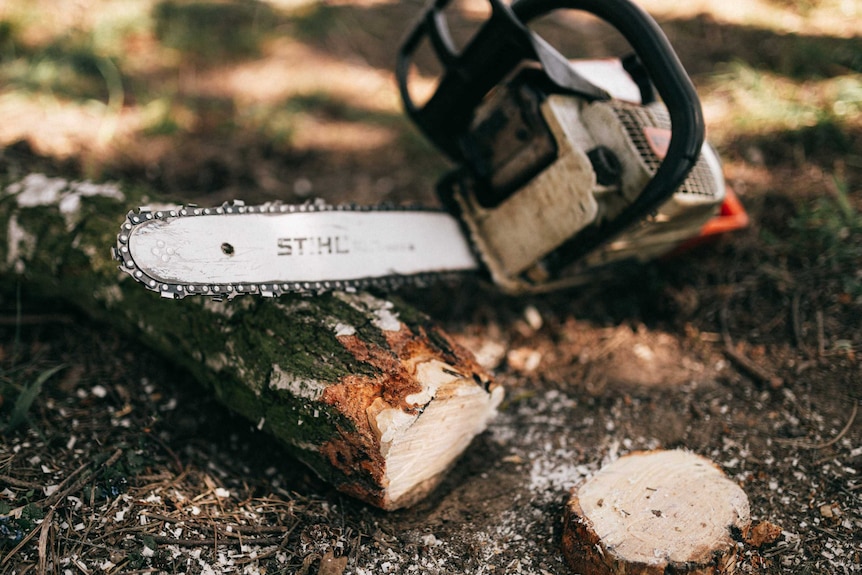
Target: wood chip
(763,533)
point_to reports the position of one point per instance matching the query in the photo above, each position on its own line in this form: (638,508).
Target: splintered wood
(652,513)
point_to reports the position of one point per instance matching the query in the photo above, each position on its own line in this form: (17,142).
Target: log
(654,513)
(368,392)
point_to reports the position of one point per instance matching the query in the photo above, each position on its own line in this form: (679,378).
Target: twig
(63,492)
(796,322)
(22,543)
(81,567)
(825,444)
(53,500)
(827,532)
(161,517)
(86,535)
(771,324)
(780,548)
(119,530)
(259,557)
(215,542)
(45,529)
(82,543)
(168,481)
(234,529)
(18,482)
(821,339)
(755,371)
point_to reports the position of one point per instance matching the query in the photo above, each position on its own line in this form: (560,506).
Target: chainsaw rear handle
(503,42)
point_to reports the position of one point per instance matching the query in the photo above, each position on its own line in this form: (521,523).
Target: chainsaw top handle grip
(656,54)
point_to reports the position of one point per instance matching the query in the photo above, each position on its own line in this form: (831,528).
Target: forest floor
(747,350)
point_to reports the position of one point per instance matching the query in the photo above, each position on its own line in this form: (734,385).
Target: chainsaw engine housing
(584,162)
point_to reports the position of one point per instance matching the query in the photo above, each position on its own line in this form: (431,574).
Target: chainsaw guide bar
(189,250)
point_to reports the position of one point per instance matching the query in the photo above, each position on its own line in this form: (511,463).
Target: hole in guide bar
(227,249)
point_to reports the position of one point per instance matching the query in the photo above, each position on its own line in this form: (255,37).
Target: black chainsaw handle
(672,83)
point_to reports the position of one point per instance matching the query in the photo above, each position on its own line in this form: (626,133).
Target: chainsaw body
(562,170)
(605,154)
(565,167)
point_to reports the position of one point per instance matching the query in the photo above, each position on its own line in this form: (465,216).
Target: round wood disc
(655,512)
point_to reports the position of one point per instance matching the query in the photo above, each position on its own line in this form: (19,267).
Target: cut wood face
(420,447)
(411,420)
(652,510)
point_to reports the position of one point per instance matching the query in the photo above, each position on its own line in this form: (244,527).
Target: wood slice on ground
(367,391)
(654,513)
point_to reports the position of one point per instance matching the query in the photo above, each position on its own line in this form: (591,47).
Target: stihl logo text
(312,246)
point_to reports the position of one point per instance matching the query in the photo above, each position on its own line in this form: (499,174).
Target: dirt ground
(746,350)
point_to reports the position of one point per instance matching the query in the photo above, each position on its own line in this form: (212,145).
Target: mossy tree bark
(369,393)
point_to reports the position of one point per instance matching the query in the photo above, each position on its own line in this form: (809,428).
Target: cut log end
(422,443)
(413,419)
(651,513)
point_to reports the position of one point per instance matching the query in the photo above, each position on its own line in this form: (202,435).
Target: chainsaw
(562,169)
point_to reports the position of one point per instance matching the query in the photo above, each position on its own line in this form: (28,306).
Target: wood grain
(654,513)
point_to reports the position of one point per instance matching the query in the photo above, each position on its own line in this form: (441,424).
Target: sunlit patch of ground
(837,18)
(290,69)
(741,100)
(157,78)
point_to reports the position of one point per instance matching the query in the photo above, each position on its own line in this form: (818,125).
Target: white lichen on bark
(37,190)
(384,318)
(299,386)
(20,244)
